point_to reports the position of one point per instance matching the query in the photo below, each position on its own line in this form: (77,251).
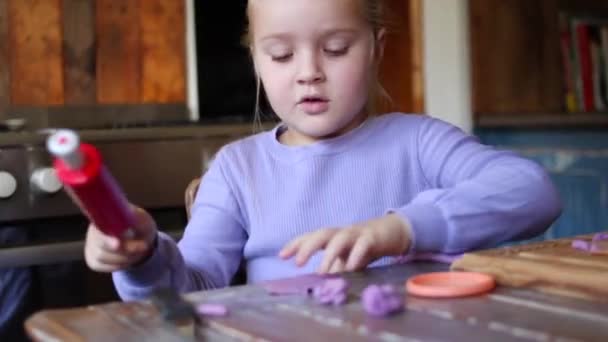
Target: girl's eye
(336,52)
(282,58)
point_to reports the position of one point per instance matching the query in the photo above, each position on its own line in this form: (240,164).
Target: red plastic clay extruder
(80,168)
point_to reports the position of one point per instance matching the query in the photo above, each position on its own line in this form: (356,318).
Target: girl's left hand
(351,248)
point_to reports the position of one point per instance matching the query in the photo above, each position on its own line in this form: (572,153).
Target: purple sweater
(258,194)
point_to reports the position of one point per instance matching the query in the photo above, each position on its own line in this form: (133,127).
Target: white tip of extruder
(64,144)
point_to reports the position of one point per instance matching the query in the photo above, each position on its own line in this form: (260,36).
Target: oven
(42,232)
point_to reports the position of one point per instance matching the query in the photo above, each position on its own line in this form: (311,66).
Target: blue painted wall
(578,163)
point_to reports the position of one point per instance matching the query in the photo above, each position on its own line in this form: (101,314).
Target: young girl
(332,188)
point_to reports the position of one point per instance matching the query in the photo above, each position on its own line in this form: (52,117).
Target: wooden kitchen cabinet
(85,54)
(94,53)
(401,71)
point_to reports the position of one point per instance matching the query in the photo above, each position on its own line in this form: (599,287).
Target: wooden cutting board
(549,266)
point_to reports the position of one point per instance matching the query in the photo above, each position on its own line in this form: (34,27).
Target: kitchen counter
(138,133)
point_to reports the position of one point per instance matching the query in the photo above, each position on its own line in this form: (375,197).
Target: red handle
(97,193)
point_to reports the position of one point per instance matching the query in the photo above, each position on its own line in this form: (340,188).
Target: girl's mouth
(314,104)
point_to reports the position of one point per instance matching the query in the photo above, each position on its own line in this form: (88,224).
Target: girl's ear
(380,42)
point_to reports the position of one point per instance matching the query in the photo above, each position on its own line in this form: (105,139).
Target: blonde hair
(373,11)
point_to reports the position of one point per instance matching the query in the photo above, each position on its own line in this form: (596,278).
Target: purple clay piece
(581,245)
(332,291)
(599,247)
(293,286)
(382,300)
(208,309)
(600,237)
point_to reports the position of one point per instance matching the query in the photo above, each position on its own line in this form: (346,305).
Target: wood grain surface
(550,266)
(163,51)
(506,314)
(401,70)
(79,51)
(516,65)
(5,75)
(118,52)
(35,52)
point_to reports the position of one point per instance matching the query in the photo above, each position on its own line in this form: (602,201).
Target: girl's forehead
(294,16)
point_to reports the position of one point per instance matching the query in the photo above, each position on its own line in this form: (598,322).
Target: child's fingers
(110,243)
(336,248)
(142,218)
(311,245)
(98,238)
(101,267)
(102,261)
(359,255)
(112,259)
(337,266)
(291,248)
(133,247)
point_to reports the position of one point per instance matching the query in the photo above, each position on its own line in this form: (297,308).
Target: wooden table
(506,314)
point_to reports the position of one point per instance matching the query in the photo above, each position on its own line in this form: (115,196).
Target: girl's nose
(312,78)
(310,71)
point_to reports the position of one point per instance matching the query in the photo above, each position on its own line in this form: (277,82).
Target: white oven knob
(8,184)
(45,180)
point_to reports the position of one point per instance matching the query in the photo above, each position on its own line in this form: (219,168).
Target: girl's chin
(318,126)
(319,132)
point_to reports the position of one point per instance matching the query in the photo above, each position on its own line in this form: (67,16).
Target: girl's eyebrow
(275,36)
(339,31)
(331,32)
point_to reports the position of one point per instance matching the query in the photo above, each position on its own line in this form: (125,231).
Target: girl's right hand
(105,253)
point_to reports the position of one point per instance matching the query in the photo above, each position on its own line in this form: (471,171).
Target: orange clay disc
(450,284)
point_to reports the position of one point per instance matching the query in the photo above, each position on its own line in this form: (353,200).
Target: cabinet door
(4,66)
(578,165)
(582,180)
(80,54)
(515,57)
(584,192)
(35,54)
(401,71)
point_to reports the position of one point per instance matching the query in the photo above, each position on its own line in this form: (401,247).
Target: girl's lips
(314,106)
